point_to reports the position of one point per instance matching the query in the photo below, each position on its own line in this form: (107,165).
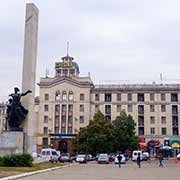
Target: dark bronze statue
(16,113)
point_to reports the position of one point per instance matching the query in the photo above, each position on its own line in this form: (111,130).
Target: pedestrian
(139,160)
(119,160)
(161,160)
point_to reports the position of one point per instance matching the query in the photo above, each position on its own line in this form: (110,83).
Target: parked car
(103,158)
(178,156)
(49,154)
(145,156)
(65,157)
(123,159)
(81,158)
(135,155)
(111,157)
(89,157)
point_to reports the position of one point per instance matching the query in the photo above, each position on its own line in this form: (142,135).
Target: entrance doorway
(63,146)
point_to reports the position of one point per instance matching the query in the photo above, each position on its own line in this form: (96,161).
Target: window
(129,97)
(69,130)
(96,97)
(72,71)
(107,97)
(163,120)
(163,131)
(174,109)
(141,121)
(65,72)
(140,97)
(152,108)
(129,108)
(45,119)
(141,131)
(107,109)
(118,97)
(46,108)
(174,97)
(45,142)
(175,121)
(81,108)
(56,130)
(57,120)
(152,130)
(118,107)
(57,96)
(163,96)
(71,97)
(63,130)
(46,97)
(81,97)
(64,96)
(45,130)
(96,108)
(81,119)
(141,109)
(151,97)
(163,108)
(175,131)
(152,120)
(57,109)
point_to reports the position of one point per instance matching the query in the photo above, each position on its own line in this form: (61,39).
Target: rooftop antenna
(68,48)
(161,78)
(47,73)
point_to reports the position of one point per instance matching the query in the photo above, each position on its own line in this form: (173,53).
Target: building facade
(68,102)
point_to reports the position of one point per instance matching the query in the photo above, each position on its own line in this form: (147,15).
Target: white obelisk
(29,74)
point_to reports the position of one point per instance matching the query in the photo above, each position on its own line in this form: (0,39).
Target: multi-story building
(3,107)
(68,102)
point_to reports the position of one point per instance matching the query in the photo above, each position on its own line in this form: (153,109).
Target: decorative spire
(68,48)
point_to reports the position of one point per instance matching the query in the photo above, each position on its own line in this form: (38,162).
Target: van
(49,154)
(135,155)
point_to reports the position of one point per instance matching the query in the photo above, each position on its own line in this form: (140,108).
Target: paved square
(129,171)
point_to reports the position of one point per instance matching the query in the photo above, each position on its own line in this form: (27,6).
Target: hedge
(18,160)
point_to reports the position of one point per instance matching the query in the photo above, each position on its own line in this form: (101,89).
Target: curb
(33,173)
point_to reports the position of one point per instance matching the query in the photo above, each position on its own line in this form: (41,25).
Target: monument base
(11,142)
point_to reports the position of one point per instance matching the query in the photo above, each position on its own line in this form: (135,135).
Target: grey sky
(127,40)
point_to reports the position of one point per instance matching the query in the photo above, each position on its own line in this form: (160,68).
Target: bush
(18,160)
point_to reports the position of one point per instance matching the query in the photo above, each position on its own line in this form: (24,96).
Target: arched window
(57,96)
(64,96)
(71,96)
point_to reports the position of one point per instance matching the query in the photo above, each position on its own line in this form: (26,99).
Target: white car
(123,159)
(81,158)
(103,158)
(135,155)
(49,155)
(178,156)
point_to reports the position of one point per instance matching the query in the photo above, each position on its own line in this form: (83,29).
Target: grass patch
(8,171)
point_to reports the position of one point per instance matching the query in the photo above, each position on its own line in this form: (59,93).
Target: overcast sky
(126,41)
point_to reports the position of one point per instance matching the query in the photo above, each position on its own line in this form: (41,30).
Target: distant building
(68,102)
(3,107)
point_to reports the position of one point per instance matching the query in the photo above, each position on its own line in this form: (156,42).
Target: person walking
(119,160)
(161,161)
(139,160)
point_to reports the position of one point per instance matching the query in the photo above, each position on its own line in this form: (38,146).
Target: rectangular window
(56,130)
(129,108)
(151,97)
(141,131)
(46,108)
(152,120)
(96,97)
(81,119)
(57,108)
(129,97)
(163,108)
(163,131)
(163,120)
(174,109)
(45,130)
(118,107)
(81,108)
(69,130)
(118,97)
(108,109)
(46,97)
(63,130)
(152,130)
(81,97)
(175,121)
(96,108)
(57,120)
(141,109)
(140,97)
(141,121)
(174,97)
(107,97)
(45,142)
(45,119)
(163,96)
(65,72)
(152,109)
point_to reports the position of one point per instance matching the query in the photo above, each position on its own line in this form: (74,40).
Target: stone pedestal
(11,143)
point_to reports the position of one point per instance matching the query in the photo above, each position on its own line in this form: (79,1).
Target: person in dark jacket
(139,160)
(161,160)
(119,160)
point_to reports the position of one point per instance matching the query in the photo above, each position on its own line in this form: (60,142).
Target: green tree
(96,137)
(123,132)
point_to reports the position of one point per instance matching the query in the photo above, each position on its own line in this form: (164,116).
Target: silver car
(103,158)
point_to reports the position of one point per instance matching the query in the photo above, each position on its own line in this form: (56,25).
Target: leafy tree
(123,132)
(96,137)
